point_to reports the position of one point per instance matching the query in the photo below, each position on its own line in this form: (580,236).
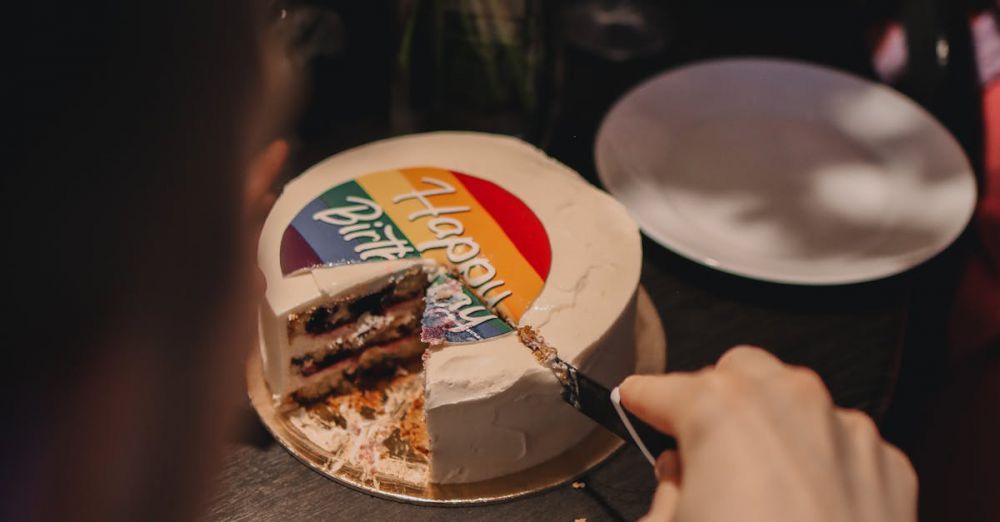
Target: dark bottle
(472,65)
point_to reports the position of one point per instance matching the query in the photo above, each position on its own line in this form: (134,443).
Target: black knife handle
(656,441)
(594,400)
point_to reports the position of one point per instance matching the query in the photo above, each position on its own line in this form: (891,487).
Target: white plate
(785,172)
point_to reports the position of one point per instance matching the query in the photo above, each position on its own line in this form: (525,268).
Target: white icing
(491,408)
(368,322)
(347,279)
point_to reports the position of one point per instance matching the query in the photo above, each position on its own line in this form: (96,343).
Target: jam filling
(309,365)
(329,317)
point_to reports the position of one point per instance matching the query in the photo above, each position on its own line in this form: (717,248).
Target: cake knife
(597,402)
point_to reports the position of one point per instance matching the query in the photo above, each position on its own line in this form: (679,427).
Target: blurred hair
(129,128)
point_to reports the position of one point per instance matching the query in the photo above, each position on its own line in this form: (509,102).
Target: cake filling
(310,364)
(367,330)
(328,317)
(338,344)
(332,344)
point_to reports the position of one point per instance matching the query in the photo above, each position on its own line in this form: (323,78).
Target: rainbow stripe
(422,211)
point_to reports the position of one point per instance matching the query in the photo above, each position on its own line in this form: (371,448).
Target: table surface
(851,335)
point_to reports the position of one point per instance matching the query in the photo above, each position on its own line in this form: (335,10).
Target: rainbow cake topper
(484,233)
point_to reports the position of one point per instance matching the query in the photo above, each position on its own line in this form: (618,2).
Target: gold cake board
(595,448)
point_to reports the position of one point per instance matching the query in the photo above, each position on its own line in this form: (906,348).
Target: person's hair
(121,208)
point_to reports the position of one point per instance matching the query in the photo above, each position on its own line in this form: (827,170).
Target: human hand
(759,440)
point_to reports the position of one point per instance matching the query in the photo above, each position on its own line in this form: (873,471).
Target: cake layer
(396,329)
(368,327)
(329,316)
(307,291)
(343,373)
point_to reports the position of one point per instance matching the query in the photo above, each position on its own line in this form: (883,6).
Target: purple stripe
(324,239)
(296,252)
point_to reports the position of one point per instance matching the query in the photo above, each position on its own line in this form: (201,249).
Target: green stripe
(337,197)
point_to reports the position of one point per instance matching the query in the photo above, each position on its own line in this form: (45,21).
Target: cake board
(397,478)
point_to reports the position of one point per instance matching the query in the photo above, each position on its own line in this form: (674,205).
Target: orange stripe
(512,268)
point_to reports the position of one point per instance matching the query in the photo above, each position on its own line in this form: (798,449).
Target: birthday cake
(426,253)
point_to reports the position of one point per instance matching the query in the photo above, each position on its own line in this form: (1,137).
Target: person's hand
(761,441)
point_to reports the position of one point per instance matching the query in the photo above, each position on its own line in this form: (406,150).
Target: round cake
(431,250)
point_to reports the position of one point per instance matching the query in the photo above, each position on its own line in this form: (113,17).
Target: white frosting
(491,408)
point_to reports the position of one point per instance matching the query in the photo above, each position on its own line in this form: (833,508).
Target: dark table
(851,335)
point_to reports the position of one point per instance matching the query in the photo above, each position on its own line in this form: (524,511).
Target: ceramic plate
(785,172)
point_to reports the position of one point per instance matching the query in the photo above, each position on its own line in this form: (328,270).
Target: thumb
(668,492)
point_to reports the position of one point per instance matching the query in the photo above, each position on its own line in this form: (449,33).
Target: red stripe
(295,252)
(516,219)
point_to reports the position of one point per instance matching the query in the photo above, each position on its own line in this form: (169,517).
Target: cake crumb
(545,354)
(530,337)
(579,485)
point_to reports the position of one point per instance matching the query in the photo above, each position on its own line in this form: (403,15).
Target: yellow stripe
(518,275)
(382,187)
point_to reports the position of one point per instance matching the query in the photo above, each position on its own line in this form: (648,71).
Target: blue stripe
(323,237)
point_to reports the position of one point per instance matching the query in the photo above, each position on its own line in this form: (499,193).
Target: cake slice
(334,343)
(360,320)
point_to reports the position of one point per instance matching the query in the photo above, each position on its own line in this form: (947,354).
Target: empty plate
(785,172)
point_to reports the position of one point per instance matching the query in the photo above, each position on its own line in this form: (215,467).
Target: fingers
(751,411)
(664,503)
(659,400)
(665,401)
(668,491)
(749,360)
(668,466)
(785,383)
(903,484)
(746,381)
(859,424)
(902,468)
(884,482)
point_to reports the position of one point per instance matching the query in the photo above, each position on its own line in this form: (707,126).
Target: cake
(430,251)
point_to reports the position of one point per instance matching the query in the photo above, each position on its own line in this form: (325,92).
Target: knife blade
(595,401)
(603,406)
